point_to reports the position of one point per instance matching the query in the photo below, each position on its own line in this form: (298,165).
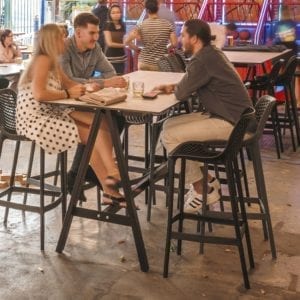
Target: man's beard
(188,50)
(89,46)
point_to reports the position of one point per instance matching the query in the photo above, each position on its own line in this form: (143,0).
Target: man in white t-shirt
(219,31)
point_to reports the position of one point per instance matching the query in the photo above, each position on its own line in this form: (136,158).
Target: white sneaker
(194,201)
(215,183)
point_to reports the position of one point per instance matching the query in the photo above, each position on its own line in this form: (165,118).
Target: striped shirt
(155,35)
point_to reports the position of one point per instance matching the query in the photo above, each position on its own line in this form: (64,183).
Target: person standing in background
(101,12)
(219,32)
(165,13)
(155,34)
(114,32)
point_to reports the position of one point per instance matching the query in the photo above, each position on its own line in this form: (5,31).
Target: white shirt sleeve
(219,31)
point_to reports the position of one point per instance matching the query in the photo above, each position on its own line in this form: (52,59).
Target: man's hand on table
(92,87)
(166,88)
(116,81)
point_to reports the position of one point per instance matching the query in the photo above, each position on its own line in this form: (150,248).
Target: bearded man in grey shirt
(223,95)
(82,58)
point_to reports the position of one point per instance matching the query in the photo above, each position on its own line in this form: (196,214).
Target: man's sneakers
(194,200)
(215,183)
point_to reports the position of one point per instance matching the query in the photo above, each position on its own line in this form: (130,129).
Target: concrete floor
(99,261)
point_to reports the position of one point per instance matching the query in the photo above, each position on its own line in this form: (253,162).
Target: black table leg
(132,214)
(63,174)
(79,181)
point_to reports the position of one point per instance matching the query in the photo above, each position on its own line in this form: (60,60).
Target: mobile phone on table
(151,95)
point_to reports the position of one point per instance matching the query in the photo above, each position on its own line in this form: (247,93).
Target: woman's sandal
(116,201)
(113,183)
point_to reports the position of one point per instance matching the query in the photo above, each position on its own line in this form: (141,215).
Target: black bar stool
(265,85)
(205,152)
(290,119)
(263,108)
(8,132)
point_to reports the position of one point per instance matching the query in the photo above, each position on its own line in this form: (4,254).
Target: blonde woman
(54,128)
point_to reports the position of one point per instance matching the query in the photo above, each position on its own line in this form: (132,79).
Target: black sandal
(115,184)
(116,201)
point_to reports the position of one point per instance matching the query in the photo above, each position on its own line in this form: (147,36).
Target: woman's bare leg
(96,162)
(103,144)
(101,167)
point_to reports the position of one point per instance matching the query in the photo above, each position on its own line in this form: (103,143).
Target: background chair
(265,85)
(171,63)
(289,118)
(263,108)
(4,83)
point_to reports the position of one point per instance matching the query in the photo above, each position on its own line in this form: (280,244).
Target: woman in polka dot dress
(55,128)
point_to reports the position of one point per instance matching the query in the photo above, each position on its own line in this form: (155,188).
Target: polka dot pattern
(49,126)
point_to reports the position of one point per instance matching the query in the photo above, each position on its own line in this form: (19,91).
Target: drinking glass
(138,88)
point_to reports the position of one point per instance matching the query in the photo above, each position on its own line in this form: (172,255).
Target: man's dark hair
(83,19)
(151,6)
(200,29)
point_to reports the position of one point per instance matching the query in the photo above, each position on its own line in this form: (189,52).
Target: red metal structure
(252,14)
(216,10)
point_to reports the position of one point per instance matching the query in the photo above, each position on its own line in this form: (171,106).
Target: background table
(251,60)
(9,69)
(254,58)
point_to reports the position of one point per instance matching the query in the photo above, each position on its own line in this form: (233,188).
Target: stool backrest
(164,64)
(202,151)
(181,59)
(4,83)
(171,63)
(263,109)
(235,140)
(275,71)
(8,102)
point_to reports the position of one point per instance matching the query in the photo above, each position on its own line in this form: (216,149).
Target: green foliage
(67,6)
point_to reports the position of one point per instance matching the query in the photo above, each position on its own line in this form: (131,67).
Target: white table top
(253,58)
(26,50)
(10,69)
(139,105)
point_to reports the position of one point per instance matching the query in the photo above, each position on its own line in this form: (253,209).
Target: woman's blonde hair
(45,44)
